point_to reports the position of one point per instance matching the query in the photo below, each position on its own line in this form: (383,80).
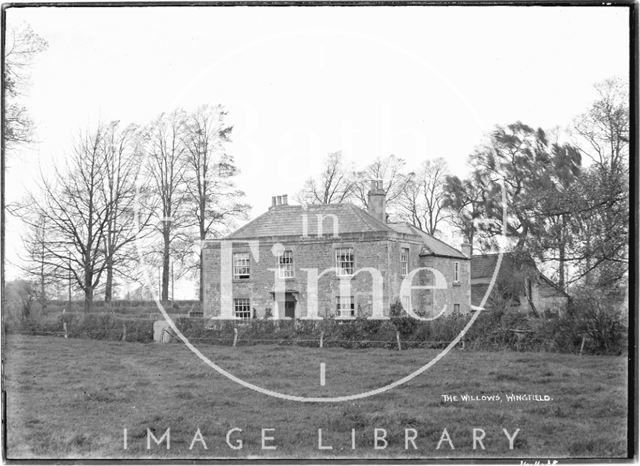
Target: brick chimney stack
(377,204)
(466,249)
(279,200)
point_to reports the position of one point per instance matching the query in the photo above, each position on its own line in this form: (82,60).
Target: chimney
(466,249)
(279,200)
(376,201)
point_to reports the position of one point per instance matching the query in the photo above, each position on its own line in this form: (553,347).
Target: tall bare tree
(21,46)
(390,170)
(75,213)
(166,166)
(603,131)
(422,200)
(334,185)
(214,200)
(602,135)
(126,219)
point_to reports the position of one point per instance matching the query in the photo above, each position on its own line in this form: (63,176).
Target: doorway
(289,305)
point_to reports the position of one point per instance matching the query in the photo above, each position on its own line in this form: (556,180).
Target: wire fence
(234,337)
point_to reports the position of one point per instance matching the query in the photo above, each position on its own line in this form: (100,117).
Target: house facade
(519,285)
(336,260)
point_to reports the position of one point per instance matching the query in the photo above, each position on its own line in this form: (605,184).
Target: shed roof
(482,266)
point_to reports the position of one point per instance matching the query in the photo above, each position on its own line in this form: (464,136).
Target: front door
(290,308)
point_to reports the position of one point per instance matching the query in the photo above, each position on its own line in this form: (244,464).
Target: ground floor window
(345,307)
(456,308)
(242,308)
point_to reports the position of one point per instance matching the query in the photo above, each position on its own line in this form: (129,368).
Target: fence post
(582,345)
(398,340)
(64,324)
(235,336)
(321,338)
(124,331)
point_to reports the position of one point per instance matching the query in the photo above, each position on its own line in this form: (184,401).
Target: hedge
(492,331)
(93,326)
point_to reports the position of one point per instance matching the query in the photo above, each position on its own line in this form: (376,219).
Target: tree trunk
(88,289)
(43,291)
(108,290)
(562,255)
(587,277)
(203,235)
(166,257)
(88,299)
(201,287)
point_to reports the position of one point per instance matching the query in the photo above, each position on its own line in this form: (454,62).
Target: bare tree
(36,260)
(603,131)
(75,213)
(422,200)
(214,200)
(22,45)
(334,185)
(602,135)
(121,150)
(167,165)
(390,169)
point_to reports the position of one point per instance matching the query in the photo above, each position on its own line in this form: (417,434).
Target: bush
(590,316)
(403,323)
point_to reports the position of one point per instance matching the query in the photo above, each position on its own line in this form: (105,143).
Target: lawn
(74,398)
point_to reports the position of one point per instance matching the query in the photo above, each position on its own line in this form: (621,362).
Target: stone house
(333,260)
(520,286)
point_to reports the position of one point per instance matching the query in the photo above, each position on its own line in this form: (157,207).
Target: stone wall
(370,250)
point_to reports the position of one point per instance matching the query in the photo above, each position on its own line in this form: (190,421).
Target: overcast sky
(418,82)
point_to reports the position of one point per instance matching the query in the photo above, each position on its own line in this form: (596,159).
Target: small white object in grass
(322,374)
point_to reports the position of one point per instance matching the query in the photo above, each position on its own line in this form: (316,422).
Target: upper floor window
(285,264)
(404,261)
(241,265)
(344,261)
(345,307)
(456,271)
(242,308)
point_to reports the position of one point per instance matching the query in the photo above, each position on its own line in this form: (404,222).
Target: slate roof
(432,245)
(287,220)
(482,266)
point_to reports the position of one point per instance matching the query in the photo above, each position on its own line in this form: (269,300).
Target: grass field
(73,398)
